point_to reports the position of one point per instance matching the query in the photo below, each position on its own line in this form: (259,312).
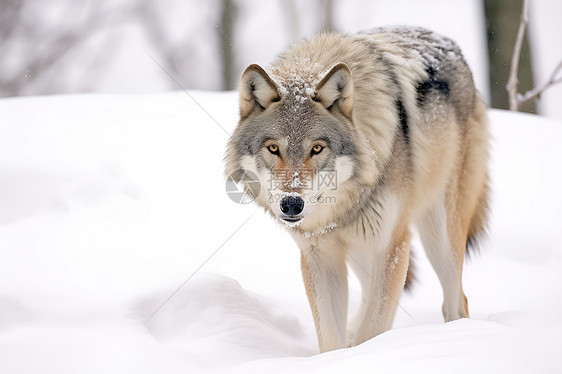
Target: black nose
(292,205)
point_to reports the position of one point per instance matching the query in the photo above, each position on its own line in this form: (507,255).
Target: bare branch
(536,92)
(513,81)
(517,100)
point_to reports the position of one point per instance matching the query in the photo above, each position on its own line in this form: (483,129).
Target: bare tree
(37,47)
(517,100)
(226,30)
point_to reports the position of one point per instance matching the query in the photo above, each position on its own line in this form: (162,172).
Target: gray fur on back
(442,60)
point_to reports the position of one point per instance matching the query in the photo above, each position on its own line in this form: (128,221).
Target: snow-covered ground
(109,204)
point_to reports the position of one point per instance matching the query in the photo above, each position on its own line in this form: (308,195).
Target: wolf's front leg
(325,280)
(382,288)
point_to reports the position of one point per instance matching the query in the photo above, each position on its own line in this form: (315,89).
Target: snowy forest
(132,46)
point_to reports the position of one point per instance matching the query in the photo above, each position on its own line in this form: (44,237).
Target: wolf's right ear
(257,89)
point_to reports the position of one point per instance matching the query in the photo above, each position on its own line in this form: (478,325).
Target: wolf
(392,118)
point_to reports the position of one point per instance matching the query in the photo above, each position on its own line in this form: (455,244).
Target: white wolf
(391,119)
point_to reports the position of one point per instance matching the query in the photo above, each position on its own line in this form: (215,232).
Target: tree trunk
(328,22)
(226,31)
(502,21)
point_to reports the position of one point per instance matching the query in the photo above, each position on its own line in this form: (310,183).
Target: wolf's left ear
(257,90)
(336,88)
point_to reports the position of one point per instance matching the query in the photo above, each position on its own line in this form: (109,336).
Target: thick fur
(393,115)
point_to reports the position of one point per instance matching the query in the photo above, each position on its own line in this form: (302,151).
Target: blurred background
(144,46)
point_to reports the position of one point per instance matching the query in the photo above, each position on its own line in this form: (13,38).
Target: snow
(301,81)
(122,253)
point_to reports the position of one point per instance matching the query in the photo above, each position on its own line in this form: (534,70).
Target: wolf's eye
(273,149)
(316,149)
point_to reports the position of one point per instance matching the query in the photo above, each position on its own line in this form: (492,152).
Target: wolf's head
(296,133)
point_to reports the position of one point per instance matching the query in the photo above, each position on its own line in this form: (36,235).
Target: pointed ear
(257,90)
(336,88)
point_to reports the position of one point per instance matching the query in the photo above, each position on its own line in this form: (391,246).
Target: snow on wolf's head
(296,134)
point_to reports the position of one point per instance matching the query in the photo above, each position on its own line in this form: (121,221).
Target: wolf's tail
(479,224)
(410,275)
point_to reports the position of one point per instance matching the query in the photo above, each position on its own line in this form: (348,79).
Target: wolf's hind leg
(445,251)
(325,280)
